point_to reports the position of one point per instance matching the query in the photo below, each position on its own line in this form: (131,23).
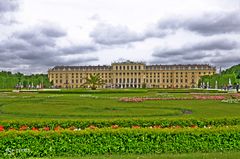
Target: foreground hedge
(82,124)
(117,141)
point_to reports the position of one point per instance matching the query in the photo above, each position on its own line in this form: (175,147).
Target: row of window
(128,80)
(75,81)
(167,80)
(128,67)
(106,74)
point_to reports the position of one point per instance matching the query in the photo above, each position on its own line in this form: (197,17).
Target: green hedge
(121,123)
(118,141)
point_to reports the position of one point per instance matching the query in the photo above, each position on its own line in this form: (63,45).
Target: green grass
(107,105)
(216,155)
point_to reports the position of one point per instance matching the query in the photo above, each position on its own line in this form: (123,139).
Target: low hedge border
(126,123)
(118,141)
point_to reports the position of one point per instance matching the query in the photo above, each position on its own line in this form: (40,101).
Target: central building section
(128,74)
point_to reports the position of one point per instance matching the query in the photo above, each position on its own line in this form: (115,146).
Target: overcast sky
(36,35)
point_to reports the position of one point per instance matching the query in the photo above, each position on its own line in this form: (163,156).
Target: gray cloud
(110,35)
(36,49)
(212,45)
(79,49)
(8,5)
(225,60)
(6,8)
(219,52)
(206,24)
(116,35)
(41,35)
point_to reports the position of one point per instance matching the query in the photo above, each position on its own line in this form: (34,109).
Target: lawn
(107,105)
(216,155)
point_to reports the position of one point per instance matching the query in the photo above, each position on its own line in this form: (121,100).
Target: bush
(82,124)
(117,141)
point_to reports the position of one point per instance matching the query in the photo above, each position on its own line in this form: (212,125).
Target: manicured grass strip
(216,155)
(118,141)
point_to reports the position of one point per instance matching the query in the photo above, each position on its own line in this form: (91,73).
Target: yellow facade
(131,75)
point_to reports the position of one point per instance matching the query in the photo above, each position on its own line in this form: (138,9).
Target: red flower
(115,126)
(194,126)
(1,128)
(23,128)
(35,129)
(57,128)
(157,126)
(46,128)
(135,127)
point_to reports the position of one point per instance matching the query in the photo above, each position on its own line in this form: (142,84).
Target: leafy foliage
(93,81)
(117,141)
(9,80)
(222,79)
(124,123)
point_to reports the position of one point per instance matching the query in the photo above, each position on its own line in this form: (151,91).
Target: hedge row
(82,124)
(102,91)
(118,141)
(107,91)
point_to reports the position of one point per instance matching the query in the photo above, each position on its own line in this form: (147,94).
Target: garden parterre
(147,118)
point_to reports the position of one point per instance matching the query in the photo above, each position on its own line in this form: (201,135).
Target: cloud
(208,45)
(6,8)
(79,49)
(215,51)
(36,48)
(8,5)
(107,34)
(207,24)
(110,35)
(226,60)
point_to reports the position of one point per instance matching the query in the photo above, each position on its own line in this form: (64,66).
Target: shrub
(92,124)
(117,141)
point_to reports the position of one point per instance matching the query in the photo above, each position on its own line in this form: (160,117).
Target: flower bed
(75,125)
(209,97)
(196,97)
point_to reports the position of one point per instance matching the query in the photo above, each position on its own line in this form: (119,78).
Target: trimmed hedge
(121,123)
(117,141)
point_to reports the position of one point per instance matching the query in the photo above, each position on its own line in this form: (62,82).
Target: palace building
(131,75)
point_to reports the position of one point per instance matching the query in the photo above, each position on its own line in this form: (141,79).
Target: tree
(93,81)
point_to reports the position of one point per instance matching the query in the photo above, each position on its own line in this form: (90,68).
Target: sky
(36,35)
